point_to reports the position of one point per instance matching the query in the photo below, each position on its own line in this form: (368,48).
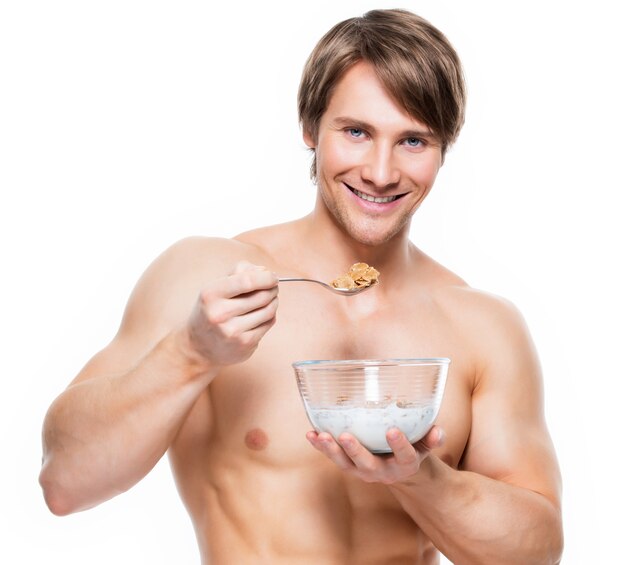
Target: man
(201,365)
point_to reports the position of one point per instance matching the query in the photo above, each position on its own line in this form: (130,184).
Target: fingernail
(442,436)
(345,442)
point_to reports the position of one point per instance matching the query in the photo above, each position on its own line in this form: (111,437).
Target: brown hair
(414,61)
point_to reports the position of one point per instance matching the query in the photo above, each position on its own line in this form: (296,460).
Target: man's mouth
(376,199)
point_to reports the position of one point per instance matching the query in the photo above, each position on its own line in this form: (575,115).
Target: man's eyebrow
(346,121)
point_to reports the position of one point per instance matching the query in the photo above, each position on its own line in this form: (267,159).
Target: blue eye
(413,141)
(355,132)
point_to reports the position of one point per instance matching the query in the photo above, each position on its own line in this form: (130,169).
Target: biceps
(509,442)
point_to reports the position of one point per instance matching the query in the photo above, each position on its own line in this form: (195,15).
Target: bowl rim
(405,362)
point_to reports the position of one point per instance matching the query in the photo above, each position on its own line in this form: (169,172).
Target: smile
(377,200)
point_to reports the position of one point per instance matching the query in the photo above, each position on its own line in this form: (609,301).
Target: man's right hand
(233,313)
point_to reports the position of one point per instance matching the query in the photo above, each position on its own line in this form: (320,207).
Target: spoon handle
(343,291)
(294,279)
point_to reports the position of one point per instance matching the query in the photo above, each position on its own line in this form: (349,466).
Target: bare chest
(257,409)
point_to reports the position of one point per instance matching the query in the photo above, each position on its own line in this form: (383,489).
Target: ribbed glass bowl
(367,397)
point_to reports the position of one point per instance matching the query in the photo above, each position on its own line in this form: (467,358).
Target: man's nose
(380,168)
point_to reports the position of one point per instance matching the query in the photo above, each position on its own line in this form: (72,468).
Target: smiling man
(201,365)
(371,155)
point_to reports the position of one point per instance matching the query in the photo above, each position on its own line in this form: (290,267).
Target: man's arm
(503,505)
(109,428)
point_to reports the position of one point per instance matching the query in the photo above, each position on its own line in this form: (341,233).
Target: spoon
(344,291)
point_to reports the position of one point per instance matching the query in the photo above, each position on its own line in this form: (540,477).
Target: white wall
(126,125)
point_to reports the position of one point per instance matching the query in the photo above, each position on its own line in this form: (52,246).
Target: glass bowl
(367,397)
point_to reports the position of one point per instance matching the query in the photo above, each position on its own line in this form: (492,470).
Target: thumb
(435,437)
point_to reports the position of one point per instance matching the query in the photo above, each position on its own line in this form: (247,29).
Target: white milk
(369,425)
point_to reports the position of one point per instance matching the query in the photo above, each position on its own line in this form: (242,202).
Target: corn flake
(359,275)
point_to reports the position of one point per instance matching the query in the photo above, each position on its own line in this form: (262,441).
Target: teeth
(372,198)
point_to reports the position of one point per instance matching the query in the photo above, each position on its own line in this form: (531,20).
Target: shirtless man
(201,365)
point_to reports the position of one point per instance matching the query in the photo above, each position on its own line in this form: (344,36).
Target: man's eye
(413,141)
(355,132)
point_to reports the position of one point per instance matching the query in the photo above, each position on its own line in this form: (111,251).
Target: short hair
(414,61)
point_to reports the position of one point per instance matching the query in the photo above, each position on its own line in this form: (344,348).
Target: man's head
(412,59)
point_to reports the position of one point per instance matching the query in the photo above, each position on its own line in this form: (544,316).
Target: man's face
(375,163)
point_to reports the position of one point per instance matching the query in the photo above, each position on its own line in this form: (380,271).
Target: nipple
(256,439)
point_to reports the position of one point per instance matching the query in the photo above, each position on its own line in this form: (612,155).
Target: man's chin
(371,231)
(373,238)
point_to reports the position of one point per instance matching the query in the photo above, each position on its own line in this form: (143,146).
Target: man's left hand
(353,458)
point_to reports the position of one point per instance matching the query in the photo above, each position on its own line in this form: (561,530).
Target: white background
(127,125)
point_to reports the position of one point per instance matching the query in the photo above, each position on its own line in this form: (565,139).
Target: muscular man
(201,365)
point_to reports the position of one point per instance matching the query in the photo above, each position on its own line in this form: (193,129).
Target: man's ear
(308,139)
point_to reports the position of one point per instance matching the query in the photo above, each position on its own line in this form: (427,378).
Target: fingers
(352,457)
(236,317)
(434,438)
(247,278)
(368,465)
(233,313)
(404,452)
(326,444)
(220,308)
(248,288)
(252,325)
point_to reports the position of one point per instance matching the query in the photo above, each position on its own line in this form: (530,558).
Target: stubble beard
(367,231)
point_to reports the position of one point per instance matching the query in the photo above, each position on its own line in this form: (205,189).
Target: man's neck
(331,248)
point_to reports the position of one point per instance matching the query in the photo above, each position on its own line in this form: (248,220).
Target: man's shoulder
(470,305)
(490,327)
(217,255)
(167,290)
(188,264)
(201,258)
(479,305)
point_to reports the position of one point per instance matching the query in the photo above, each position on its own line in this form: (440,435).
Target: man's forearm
(475,519)
(102,435)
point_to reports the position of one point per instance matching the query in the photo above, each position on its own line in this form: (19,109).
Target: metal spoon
(344,291)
